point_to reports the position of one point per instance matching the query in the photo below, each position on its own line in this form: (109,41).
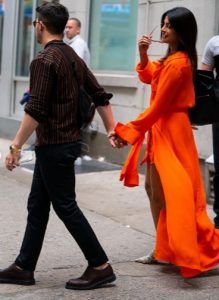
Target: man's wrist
(17,144)
(111,129)
(14,149)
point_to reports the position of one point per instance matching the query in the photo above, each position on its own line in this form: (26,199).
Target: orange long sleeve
(167,89)
(185,235)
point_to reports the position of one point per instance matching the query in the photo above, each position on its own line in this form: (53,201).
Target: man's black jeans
(54,182)
(216,176)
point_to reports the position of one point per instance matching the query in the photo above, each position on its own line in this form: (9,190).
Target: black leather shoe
(92,279)
(13,275)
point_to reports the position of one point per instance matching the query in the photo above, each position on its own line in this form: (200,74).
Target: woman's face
(168,34)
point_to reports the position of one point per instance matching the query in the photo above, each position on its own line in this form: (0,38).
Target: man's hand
(112,139)
(116,141)
(27,127)
(11,160)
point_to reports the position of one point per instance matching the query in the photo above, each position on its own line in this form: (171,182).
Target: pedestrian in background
(185,235)
(72,31)
(52,111)
(210,61)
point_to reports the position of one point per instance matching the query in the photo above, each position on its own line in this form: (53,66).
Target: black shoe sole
(17,281)
(93,285)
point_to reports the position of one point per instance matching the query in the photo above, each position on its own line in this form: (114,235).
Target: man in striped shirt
(52,111)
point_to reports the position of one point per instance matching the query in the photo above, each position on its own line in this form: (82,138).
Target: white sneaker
(148,259)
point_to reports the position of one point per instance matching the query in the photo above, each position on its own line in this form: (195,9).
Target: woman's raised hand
(144,43)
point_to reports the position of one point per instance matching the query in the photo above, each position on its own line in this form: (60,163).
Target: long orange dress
(185,235)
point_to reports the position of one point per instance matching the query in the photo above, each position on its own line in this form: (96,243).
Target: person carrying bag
(206,109)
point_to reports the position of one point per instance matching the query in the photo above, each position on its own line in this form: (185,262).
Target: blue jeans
(54,182)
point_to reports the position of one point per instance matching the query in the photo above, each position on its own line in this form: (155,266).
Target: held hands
(144,43)
(11,160)
(116,141)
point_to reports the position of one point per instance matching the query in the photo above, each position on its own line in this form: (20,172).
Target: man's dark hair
(77,21)
(54,16)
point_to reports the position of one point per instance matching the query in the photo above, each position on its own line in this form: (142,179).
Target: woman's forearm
(143,60)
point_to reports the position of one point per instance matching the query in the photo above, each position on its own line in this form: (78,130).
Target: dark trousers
(54,182)
(216,176)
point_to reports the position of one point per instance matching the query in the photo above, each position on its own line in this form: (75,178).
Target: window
(24,37)
(24,41)
(2,10)
(113,30)
(38,47)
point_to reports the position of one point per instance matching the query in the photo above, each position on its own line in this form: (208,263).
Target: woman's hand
(144,43)
(117,141)
(121,142)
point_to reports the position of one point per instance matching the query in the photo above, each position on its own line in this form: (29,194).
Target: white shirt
(80,47)
(211,50)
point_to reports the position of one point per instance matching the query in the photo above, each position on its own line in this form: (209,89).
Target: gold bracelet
(14,150)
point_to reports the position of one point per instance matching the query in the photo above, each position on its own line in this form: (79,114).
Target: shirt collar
(54,42)
(177,55)
(74,38)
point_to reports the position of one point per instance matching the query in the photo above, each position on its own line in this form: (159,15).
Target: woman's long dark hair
(184,24)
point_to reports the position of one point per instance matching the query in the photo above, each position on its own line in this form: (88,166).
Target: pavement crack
(57,268)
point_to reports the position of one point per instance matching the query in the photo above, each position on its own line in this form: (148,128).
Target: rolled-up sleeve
(169,84)
(41,79)
(208,57)
(146,74)
(97,93)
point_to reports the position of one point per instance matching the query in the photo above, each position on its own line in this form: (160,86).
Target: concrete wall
(130,96)
(80,10)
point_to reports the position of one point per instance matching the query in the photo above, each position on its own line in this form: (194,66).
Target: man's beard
(39,39)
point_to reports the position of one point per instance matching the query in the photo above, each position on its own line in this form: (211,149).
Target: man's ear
(78,30)
(42,26)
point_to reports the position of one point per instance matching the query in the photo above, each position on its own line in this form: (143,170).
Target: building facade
(111,29)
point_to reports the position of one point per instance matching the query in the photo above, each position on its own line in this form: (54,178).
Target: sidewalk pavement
(122,221)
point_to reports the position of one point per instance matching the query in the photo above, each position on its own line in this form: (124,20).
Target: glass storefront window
(24,37)
(2,10)
(38,47)
(24,46)
(113,30)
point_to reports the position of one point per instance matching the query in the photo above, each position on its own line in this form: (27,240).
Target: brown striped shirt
(54,94)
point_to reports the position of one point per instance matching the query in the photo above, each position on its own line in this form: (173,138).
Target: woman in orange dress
(185,235)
